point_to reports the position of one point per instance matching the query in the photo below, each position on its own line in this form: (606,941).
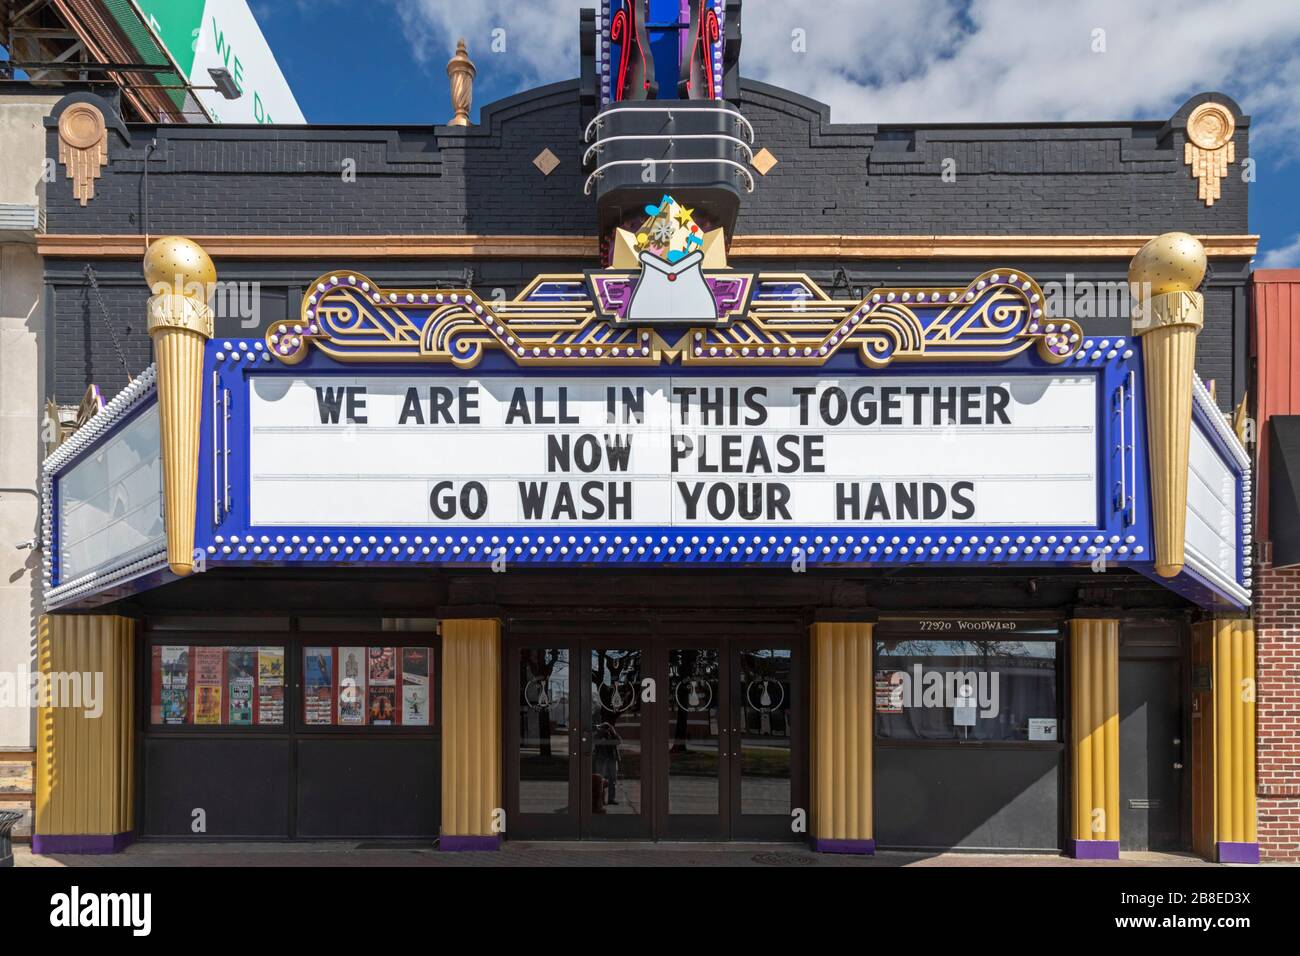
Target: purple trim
(46,843)
(461,844)
(861,847)
(1094,849)
(614,291)
(1237,852)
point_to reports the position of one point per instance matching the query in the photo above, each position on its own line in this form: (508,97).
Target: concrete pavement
(529,854)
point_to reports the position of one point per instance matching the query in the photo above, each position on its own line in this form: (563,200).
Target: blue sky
(382,61)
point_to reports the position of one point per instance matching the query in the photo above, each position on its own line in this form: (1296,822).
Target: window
(355,686)
(956,690)
(217,686)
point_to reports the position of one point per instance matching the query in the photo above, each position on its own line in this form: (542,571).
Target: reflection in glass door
(696,750)
(611,786)
(544,744)
(762,742)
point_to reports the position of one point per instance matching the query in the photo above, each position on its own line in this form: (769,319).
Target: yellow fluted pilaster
(471,733)
(182,278)
(841,736)
(85,740)
(1094,720)
(1233,734)
(1164,276)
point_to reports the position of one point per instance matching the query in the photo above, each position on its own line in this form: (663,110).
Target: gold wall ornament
(182,278)
(83,148)
(92,403)
(1209,148)
(1241,419)
(461,72)
(1168,322)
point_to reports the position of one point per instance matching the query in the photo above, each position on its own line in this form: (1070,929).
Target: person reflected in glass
(605,749)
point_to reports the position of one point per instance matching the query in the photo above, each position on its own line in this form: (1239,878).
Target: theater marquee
(1001,450)
(950,426)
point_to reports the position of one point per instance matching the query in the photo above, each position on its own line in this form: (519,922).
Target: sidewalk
(351,853)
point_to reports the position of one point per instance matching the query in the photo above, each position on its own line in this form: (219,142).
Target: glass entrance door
(613,786)
(765,751)
(654,736)
(694,743)
(542,740)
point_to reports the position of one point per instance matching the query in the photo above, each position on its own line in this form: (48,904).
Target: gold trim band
(1005,248)
(971,247)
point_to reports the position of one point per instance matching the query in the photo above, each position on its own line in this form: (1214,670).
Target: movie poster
(352,685)
(383,665)
(318,683)
(888,694)
(175,704)
(270,685)
(241,701)
(207,703)
(415,705)
(175,667)
(155,685)
(383,705)
(415,686)
(241,663)
(207,665)
(241,674)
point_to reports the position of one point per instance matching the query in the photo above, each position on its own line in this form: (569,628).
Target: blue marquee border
(229,539)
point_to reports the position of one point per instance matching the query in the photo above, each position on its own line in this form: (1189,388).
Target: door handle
(1178,766)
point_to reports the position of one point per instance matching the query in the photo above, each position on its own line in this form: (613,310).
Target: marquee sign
(319,456)
(431,427)
(424,451)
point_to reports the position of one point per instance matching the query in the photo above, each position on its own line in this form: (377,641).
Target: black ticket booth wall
(940,790)
(294,780)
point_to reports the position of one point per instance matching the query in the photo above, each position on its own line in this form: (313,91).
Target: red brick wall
(1277,708)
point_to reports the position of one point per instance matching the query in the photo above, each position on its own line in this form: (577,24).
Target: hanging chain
(108,322)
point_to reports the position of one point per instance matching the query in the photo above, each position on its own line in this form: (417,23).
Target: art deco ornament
(83,148)
(1165,274)
(1209,148)
(181,275)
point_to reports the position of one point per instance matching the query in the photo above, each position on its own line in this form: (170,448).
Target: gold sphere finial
(1172,262)
(174,261)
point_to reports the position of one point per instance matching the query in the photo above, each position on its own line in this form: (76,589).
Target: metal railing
(599,171)
(597,122)
(595,147)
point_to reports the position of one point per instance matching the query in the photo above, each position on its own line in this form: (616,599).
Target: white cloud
(540,36)
(928,61)
(1284,257)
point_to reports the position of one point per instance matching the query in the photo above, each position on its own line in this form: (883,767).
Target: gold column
(182,278)
(1164,276)
(1232,731)
(85,741)
(842,696)
(471,734)
(1094,722)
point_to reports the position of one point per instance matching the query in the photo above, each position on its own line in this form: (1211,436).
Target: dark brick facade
(1041,179)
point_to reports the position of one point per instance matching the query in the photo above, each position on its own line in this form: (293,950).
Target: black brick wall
(1084,179)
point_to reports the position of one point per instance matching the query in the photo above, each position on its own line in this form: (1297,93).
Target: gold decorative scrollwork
(791,321)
